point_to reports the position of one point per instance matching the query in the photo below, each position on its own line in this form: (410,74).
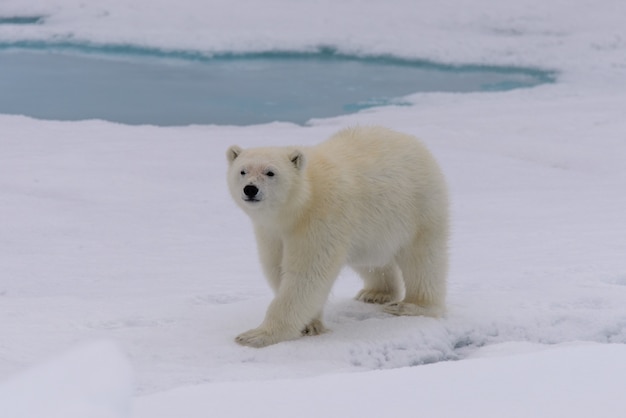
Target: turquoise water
(135,85)
(21,20)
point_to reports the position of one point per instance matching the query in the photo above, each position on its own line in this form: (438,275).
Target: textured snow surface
(569,381)
(93,380)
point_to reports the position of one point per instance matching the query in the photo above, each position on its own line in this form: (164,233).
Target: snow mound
(507,380)
(92,381)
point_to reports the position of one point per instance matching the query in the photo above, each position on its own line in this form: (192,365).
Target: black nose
(250,190)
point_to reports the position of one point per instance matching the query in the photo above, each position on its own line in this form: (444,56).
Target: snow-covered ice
(91,381)
(558,379)
(128,234)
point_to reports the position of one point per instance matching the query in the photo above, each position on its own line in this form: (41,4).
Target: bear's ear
(232,153)
(297,159)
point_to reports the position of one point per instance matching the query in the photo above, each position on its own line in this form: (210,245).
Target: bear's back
(377,186)
(379,156)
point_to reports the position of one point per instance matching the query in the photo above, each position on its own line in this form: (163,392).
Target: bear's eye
(270,173)
(243,172)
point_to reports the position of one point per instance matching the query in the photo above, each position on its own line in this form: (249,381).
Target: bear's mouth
(251,199)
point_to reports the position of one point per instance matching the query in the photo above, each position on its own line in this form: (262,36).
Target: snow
(127,233)
(558,380)
(93,380)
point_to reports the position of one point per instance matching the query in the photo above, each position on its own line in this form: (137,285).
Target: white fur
(368,197)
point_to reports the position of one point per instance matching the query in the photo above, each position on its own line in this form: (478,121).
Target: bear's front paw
(410,309)
(315,327)
(257,338)
(262,337)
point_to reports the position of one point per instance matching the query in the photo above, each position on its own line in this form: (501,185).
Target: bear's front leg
(283,322)
(303,290)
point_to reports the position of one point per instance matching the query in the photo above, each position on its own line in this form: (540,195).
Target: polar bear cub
(368,197)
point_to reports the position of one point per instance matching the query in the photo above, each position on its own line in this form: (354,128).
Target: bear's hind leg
(424,267)
(382,284)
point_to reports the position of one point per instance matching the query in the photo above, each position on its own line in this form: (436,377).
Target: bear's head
(265,180)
